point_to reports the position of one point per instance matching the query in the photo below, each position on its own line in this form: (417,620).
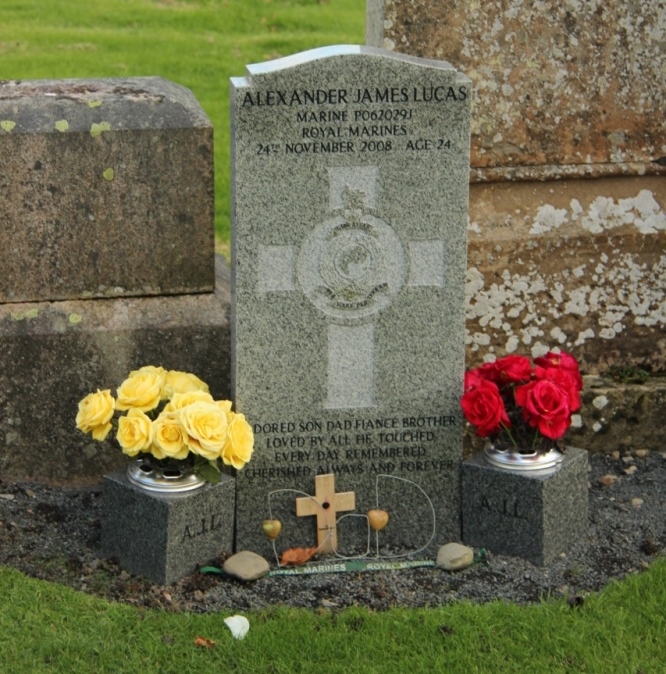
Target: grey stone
(454,557)
(107,190)
(52,354)
(350,186)
(535,517)
(165,537)
(246,565)
(524,167)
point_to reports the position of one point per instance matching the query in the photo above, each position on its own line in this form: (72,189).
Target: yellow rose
(141,391)
(225,406)
(182,382)
(95,413)
(169,437)
(240,442)
(181,400)
(156,452)
(158,371)
(135,432)
(206,427)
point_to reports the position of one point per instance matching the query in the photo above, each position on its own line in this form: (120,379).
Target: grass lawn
(197,43)
(48,628)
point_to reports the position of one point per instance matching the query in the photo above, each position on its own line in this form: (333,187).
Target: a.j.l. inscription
(203,526)
(350,182)
(502,506)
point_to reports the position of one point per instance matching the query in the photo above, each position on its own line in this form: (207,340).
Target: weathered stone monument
(350,187)
(567,194)
(107,231)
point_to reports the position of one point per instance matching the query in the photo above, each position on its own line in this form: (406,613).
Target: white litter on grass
(238,625)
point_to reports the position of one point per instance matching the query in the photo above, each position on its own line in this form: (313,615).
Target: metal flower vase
(510,458)
(167,476)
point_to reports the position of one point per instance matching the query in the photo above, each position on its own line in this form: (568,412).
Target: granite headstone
(350,189)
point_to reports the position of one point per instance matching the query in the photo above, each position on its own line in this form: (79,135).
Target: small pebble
(615,454)
(630,470)
(454,556)
(642,453)
(198,595)
(7,497)
(246,565)
(327,603)
(628,459)
(607,480)
(636,502)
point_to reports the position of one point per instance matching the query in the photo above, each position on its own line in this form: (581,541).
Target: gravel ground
(53,534)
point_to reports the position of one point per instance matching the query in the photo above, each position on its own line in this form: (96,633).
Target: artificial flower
(169,437)
(135,432)
(180,400)
(545,406)
(95,413)
(483,406)
(530,407)
(182,382)
(237,450)
(141,390)
(206,427)
(172,416)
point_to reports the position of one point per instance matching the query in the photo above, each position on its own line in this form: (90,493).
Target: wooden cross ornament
(326,504)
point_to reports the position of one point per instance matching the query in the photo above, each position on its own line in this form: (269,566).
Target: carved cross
(351,267)
(325,504)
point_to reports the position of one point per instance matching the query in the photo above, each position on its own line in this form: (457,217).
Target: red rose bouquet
(528,405)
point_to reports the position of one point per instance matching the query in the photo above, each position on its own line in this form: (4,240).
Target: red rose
(565,380)
(508,370)
(483,407)
(546,406)
(563,361)
(472,379)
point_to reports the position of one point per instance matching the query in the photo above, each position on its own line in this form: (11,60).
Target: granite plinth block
(535,517)
(350,186)
(107,189)
(165,537)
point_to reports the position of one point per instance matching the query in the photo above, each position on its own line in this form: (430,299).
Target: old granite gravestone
(350,187)
(106,188)
(106,224)
(96,174)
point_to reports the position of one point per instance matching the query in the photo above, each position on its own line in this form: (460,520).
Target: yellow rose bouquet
(171,416)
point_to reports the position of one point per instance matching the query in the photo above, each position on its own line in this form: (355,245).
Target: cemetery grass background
(45,627)
(197,43)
